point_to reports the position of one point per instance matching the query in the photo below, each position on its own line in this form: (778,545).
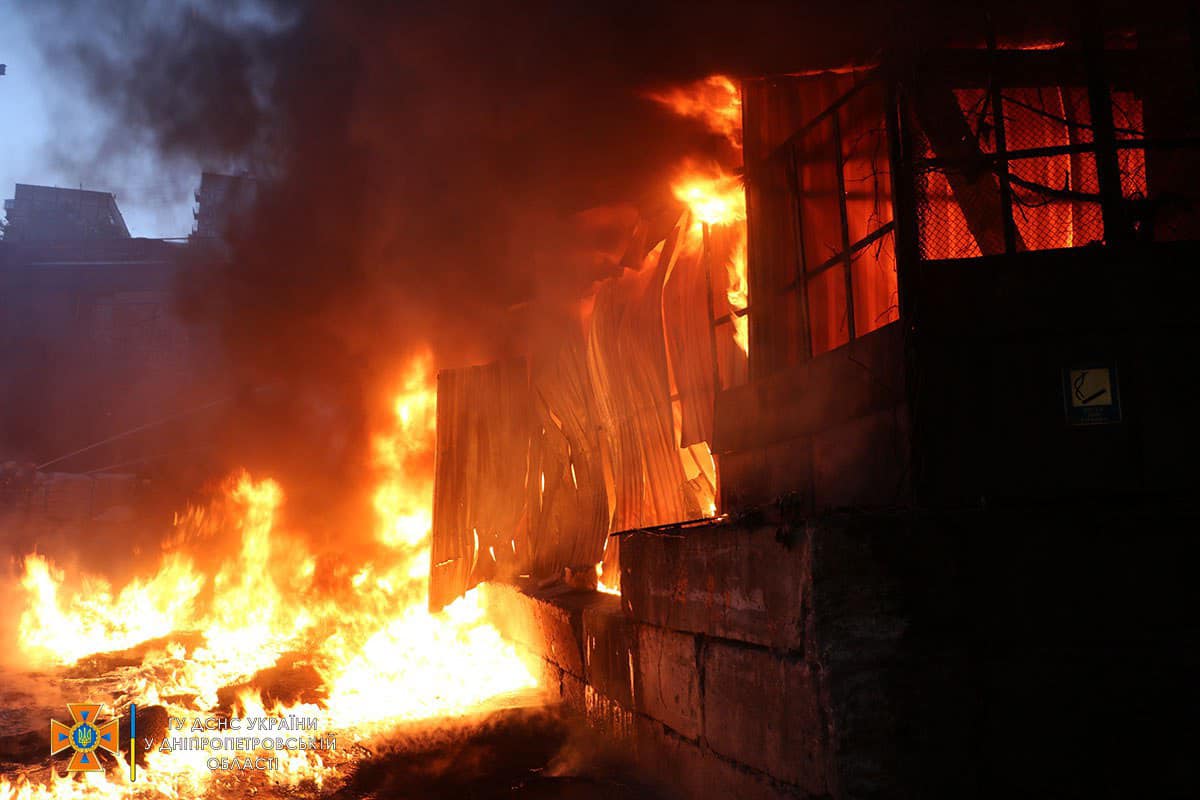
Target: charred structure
(802,409)
(954,441)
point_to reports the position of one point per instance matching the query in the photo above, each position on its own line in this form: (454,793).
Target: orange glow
(718,198)
(405,506)
(715,194)
(715,101)
(601,586)
(363,625)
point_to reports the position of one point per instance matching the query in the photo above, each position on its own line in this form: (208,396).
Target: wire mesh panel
(1131,163)
(1045,116)
(976,113)
(941,224)
(960,197)
(1035,176)
(1128,121)
(1039,192)
(1056,201)
(1157,125)
(1055,196)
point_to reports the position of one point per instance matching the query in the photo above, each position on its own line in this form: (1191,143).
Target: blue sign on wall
(1091,394)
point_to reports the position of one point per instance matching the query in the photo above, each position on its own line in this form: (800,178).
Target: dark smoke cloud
(188,79)
(433,166)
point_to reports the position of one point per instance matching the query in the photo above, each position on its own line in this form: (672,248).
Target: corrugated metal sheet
(535,469)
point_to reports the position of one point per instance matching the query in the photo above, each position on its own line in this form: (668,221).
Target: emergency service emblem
(86,737)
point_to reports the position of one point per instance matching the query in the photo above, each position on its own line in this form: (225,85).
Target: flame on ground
(382,658)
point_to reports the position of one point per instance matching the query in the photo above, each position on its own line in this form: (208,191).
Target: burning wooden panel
(691,345)
(619,418)
(484,425)
(568,505)
(627,360)
(534,470)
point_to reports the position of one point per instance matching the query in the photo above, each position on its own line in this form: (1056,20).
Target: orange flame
(715,195)
(718,198)
(404,506)
(613,587)
(363,626)
(714,101)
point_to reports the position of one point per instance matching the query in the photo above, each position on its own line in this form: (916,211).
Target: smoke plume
(435,176)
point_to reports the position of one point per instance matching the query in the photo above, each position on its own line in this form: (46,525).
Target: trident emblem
(85,737)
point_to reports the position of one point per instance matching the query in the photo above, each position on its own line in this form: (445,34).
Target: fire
(404,501)
(717,198)
(715,194)
(714,197)
(601,586)
(738,293)
(92,620)
(715,101)
(358,624)
(361,626)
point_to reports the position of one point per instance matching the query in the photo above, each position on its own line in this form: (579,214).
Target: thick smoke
(434,171)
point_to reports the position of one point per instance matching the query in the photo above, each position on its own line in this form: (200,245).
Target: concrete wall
(682,705)
(904,654)
(832,432)
(712,666)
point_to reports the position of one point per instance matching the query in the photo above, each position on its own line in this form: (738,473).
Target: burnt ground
(522,750)
(515,753)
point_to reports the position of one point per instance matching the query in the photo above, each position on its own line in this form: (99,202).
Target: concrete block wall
(644,687)
(709,666)
(888,655)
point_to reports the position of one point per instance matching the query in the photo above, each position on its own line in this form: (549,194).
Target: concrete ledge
(549,623)
(721,581)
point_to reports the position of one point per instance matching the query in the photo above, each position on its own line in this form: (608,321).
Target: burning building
(856,468)
(862,443)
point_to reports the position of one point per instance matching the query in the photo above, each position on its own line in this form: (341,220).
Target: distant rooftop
(51,213)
